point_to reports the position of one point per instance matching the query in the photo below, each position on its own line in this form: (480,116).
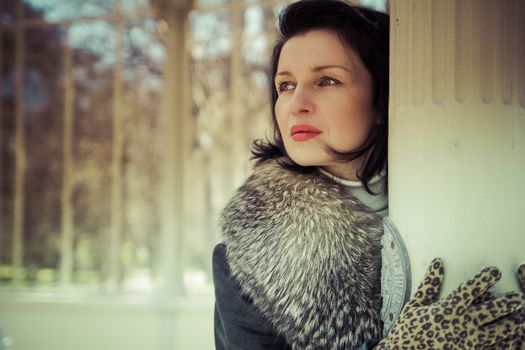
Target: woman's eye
(285,86)
(327,81)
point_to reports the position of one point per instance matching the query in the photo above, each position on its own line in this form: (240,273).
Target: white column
(457,135)
(173,127)
(238,146)
(174,112)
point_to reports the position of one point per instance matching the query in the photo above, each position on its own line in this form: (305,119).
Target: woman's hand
(518,341)
(463,320)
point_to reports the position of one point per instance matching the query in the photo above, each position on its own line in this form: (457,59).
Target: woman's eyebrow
(352,71)
(319,68)
(283,73)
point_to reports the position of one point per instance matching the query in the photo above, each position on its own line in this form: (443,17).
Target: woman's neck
(353,182)
(343,171)
(346,171)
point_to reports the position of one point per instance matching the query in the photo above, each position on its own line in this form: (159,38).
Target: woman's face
(324,98)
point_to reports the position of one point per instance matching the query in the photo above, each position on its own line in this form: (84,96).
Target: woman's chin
(308,161)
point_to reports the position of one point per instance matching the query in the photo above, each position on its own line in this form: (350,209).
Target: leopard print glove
(518,341)
(455,322)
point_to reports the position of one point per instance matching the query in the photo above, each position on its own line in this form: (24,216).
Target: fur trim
(308,257)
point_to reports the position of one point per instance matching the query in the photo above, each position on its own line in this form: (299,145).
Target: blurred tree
(92,48)
(42,92)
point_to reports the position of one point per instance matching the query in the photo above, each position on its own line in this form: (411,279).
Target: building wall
(457,135)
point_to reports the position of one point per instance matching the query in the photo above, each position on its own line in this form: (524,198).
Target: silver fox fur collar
(308,257)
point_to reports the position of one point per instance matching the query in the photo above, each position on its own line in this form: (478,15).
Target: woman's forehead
(317,48)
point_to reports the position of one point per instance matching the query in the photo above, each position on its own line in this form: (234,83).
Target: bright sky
(68,9)
(99,36)
(211,32)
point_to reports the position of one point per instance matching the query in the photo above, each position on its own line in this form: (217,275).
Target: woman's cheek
(280,117)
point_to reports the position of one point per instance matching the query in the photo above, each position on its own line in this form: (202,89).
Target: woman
(300,264)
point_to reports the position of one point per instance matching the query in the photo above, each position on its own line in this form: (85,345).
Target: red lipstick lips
(303,132)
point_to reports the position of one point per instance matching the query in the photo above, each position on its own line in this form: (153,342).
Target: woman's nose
(302,103)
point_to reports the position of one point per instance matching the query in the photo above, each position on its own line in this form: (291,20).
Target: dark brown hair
(365,31)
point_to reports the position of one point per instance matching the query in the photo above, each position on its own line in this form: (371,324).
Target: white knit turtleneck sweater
(378,203)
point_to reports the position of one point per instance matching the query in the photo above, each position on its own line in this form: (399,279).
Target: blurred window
(81,88)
